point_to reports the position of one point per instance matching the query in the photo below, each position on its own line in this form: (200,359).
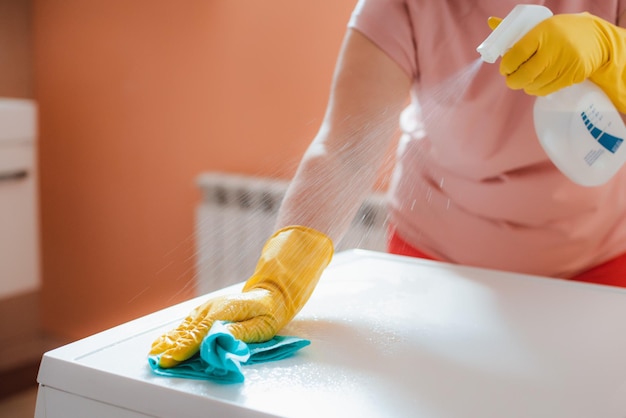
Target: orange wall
(16,72)
(136,99)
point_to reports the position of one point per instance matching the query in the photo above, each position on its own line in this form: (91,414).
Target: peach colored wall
(136,99)
(16,72)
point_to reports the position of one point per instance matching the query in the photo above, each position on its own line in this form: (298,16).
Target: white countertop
(391,337)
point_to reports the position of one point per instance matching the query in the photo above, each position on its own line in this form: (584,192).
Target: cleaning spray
(577,126)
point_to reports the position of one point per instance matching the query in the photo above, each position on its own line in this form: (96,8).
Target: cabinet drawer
(19,247)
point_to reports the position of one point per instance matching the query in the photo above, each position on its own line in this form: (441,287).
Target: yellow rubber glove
(288,270)
(566,49)
(493,22)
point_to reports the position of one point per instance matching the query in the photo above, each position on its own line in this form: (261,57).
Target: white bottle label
(582,133)
(593,120)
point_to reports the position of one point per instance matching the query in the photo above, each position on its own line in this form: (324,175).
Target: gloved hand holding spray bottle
(575,64)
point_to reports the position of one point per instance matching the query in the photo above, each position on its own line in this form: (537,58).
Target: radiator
(237,215)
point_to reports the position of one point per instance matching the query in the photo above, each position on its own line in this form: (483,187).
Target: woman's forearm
(333,180)
(342,163)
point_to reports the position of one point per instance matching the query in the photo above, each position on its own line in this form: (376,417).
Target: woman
(471,185)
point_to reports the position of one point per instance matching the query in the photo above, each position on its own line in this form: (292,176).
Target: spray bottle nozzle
(516,24)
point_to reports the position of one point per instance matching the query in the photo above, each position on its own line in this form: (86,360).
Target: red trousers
(612,272)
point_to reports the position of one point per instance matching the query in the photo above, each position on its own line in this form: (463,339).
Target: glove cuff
(611,76)
(291,264)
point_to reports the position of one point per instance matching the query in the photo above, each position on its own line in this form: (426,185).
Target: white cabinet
(390,336)
(19,230)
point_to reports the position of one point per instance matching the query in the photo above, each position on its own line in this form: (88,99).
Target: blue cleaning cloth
(222,355)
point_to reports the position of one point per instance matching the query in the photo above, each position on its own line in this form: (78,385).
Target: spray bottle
(578,126)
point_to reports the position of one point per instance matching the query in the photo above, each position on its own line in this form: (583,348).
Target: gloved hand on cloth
(566,49)
(286,274)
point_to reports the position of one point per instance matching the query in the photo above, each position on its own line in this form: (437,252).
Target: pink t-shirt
(472,184)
